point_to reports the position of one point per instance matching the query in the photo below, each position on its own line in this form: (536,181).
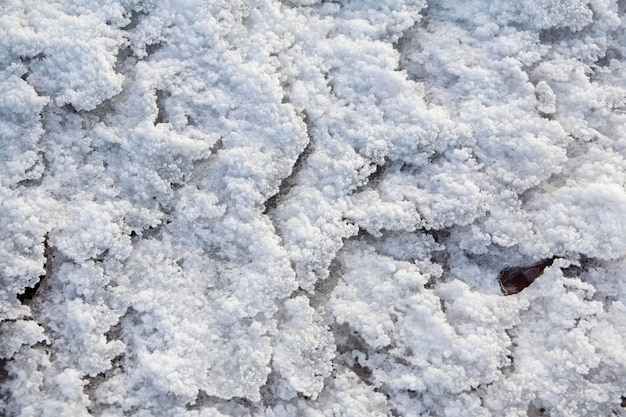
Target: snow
(302,207)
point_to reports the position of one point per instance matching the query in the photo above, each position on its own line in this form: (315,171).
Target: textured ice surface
(303,208)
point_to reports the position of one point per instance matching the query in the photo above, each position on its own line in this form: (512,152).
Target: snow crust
(301,207)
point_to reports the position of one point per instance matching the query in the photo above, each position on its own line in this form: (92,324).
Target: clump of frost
(301,207)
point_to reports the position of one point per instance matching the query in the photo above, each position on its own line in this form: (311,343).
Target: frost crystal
(312,208)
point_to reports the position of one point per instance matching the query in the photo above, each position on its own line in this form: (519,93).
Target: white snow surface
(301,207)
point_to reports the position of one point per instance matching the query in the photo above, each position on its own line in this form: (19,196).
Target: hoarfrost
(278,208)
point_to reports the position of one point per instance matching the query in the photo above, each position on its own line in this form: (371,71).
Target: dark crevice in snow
(288,182)
(393,412)
(440,235)
(611,54)
(269,397)
(509,368)
(375,177)
(161,96)
(373,180)
(152,48)
(93,382)
(69,108)
(102,110)
(592,271)
(408,46)
(152,232)
(442,306)
(299,292)
(37,175)
(30,292)
(439,257)
(115,332)
(537,410)
(123,56)
(407,42)
(364,373)
(204,400)
(555,35)
(351,350)
(135,17)
(582,266)
(547,116)
(27,60)
(324,287)
(201,166)
(45,347)
(4,376)
(101,256)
